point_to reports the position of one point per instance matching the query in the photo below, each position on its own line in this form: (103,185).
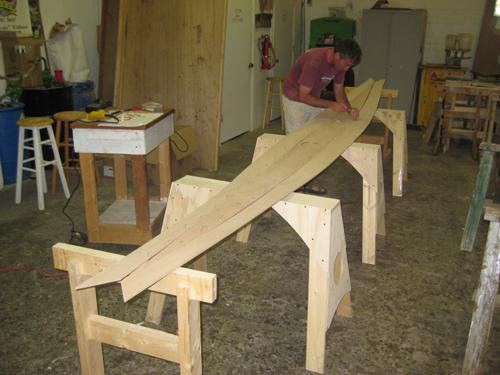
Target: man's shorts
(297,114)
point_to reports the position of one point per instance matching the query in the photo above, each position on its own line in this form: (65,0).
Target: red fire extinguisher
(268,57)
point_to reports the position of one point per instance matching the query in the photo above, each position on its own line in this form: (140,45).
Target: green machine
(323,28)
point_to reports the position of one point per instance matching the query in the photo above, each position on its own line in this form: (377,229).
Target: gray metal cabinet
(392,43)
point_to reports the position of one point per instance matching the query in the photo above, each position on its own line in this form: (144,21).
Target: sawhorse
(190,286)
(318,221)
(490,153)
(367,160)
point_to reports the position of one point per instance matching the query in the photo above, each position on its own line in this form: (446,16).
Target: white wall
(84,13)
(443,17)
(283,12)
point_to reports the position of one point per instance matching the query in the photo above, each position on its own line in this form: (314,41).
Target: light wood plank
(203,285)
(314,147)
(133,337)
(181,66)
(87,165)
(485,303)
(85,305)
(189,327)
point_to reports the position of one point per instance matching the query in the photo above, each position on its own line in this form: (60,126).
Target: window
(497,8)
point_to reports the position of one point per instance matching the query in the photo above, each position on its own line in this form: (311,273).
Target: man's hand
(354,112)
(338,107)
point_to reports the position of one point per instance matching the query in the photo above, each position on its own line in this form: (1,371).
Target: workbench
(431,87)
(128,220)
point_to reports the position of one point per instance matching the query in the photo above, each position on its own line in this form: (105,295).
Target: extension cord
(79,236)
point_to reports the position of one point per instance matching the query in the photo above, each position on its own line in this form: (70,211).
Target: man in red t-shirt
(310,75)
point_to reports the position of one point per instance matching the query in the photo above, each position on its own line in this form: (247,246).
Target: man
(310,75)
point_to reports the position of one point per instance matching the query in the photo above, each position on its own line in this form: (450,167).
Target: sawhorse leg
(485,296)
(477,202)
(395,120)
(367,160)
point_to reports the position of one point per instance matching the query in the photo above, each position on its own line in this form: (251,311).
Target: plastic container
(42,101)
(83,94)
(343,28)
(9,135)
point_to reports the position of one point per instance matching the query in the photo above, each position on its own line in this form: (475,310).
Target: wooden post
(280,101)
(165,174)
(485,296)
(84,306)
(396,122)
(267,104)
(141,199)
(87,165)
(477,202)
(189,327)
(367,160)
(156,305)
(120,172)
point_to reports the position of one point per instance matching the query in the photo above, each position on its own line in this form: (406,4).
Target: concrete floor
(411,311)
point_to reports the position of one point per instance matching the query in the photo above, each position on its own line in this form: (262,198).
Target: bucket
(83,95)
(9,134)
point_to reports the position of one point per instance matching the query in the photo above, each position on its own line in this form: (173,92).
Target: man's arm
(305,96)
(341,97)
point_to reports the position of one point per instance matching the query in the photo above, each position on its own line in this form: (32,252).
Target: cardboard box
(182,146)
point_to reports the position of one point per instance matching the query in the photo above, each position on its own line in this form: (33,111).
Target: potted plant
(10,111)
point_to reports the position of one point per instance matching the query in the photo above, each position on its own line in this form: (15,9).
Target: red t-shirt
(311,70)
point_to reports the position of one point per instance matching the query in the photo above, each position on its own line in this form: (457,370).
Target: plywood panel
(199,83)
(107,49)
(171,51)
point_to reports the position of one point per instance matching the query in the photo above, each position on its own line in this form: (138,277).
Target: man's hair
(348,48)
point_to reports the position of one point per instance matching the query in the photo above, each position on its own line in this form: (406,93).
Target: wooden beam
(85,305)
(477,202)
(485,299)
(203,286)
(133,337)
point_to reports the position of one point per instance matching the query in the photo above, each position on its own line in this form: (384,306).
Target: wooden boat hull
(292,162)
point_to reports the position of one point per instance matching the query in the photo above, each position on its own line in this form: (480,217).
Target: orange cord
(28,268)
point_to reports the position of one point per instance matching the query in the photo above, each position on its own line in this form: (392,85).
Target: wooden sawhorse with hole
(367,160)
(318,221)
(190,286)
(394,121)
(389,95)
